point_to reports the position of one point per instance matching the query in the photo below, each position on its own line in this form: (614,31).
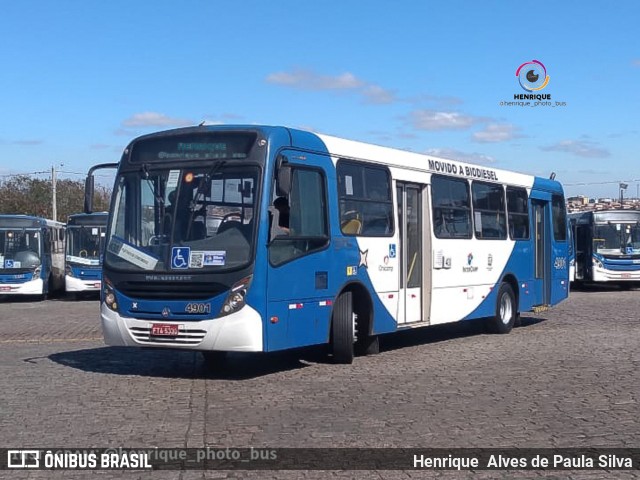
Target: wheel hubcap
(506,310)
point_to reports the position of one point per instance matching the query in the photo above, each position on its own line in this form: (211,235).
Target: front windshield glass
(19,248)
(196,219)
(84,244)
(616,238)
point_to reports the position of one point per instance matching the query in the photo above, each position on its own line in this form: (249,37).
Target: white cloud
(434,120)
(458,155)
(496,132)
(580,148)
(27,142)
(154,119)
(310,80)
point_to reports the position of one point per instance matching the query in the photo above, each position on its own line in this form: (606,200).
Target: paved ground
(566,378)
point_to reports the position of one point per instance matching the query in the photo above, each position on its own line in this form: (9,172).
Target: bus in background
(31,255)
(321,241)
(84,249)
(607,246)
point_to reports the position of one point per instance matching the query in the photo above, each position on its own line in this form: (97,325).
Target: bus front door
(542,252)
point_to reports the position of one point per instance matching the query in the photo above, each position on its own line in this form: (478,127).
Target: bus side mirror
(283,179)
(88,194)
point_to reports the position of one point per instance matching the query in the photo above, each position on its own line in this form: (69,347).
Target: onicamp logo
(532,76)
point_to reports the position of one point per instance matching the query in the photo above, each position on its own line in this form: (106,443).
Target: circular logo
(532,76)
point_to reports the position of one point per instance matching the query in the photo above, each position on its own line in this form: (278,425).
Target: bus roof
(94,219)
(605,216)
(27,221)
(391,157)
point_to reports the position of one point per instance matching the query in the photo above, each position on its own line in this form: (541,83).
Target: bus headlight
(36,271)
(68,271)
(597,262)
(108,295)
(236,298)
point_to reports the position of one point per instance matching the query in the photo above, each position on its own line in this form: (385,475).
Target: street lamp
(623,187)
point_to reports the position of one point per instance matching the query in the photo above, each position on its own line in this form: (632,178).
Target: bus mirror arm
(89,185)
(283,179)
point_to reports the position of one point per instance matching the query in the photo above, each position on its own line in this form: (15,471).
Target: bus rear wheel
(506,310)
(342,324)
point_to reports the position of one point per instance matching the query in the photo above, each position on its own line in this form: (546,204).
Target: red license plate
(164,330)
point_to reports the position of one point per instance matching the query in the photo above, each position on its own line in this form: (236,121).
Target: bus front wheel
(506,311)
(342,325)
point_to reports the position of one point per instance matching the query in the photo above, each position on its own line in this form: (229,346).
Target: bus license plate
(164,330)
(626,275)
(5,288)
(97,285)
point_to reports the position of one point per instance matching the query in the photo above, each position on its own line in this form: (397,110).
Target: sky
(80,79)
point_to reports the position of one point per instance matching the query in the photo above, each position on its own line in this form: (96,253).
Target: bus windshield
(616,238)
(19,248)
(84,244)
(195,219)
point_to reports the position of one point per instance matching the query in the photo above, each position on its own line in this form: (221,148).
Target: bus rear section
(84,251)
(31,255)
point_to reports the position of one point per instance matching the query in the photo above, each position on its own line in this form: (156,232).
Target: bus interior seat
(352,227)
(228,226)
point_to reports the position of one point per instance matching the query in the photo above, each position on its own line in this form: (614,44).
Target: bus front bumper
(32,287)
(73,284)
(238,332)
(603,275)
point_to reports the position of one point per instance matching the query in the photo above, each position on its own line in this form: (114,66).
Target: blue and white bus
(85,243)
(31,255)
(607,247)
(363,240)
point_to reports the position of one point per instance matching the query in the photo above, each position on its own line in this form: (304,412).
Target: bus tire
(506,310)
(342,329)
(214,359)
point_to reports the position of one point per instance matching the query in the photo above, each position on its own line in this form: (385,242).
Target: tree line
(31,196)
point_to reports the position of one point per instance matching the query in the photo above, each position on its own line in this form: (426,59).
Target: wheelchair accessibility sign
(180,257)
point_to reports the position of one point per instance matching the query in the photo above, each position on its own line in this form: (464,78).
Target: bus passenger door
(413,302)
(542,252)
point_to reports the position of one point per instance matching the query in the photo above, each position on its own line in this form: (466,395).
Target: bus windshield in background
(195,219)
(616,238)
(200,146)
(19,248)
(84,244)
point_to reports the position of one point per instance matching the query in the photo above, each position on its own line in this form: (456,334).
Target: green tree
(31,196)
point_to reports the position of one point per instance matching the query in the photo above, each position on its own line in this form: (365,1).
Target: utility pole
(54,208)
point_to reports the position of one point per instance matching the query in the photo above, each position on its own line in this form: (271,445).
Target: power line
(608,182)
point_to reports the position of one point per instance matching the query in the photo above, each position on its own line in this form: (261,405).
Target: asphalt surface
(565,378)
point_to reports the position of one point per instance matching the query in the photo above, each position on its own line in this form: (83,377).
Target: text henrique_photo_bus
(31,255)
(607,247)
(84,246)
(258,239)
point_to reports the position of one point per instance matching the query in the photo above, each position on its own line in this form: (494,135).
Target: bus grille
(184,337)
(187,291)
